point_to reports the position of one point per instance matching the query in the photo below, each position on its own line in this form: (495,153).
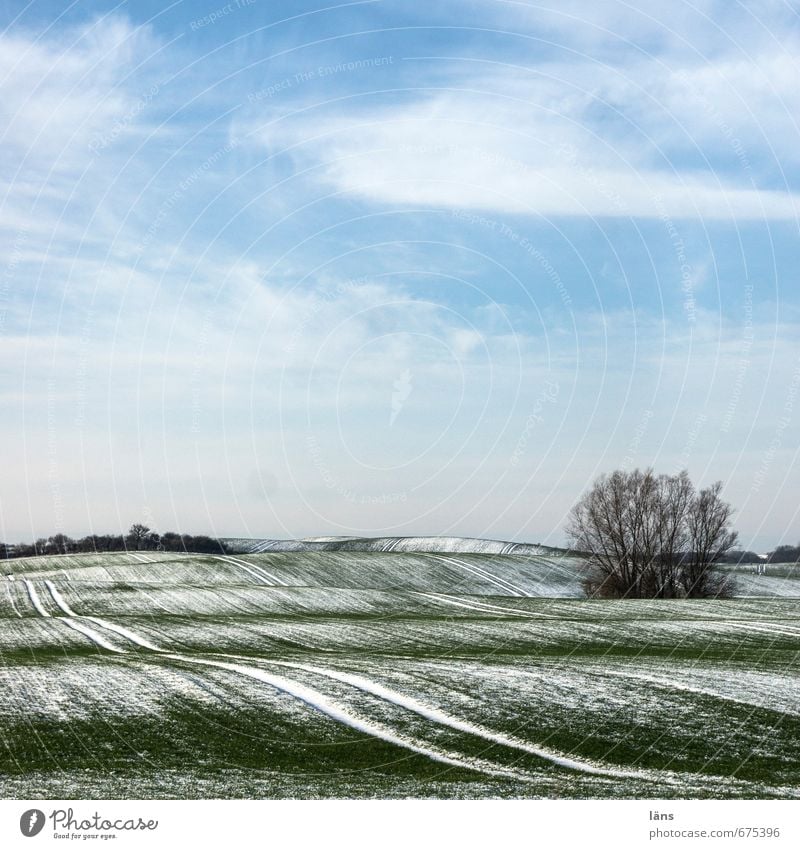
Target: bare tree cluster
(652,536)
(785,554)
(139,538)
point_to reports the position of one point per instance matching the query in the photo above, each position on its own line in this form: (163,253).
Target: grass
(699,698)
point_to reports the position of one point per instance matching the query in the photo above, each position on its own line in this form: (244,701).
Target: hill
(448,669)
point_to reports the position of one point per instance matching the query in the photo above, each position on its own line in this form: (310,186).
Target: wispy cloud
(585,140)
(63,94)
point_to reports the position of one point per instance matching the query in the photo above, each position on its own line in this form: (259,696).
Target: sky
(282,269)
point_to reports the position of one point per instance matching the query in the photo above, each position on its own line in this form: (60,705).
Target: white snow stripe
(260,578)
(320,702)
(35,600)
(767,630)
(109,626)
(124,632)
(671,683)
(247,565)
(92,635)
(460,725)
(474,571)
(11,599)
(59,600)
(482,607)
(155,601)
(490,575)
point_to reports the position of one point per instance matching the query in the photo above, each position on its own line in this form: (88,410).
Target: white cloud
(702,116)
(440,155)
(60,94)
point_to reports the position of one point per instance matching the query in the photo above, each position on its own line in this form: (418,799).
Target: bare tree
(710,538)
(138,535)
(60,544)
(649,536)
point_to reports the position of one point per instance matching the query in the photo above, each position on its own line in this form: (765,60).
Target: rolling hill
(387,668)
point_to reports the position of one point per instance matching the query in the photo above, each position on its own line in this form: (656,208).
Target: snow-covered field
(451,545)
(445,668)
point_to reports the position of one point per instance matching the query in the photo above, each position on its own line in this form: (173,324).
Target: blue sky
(278,269)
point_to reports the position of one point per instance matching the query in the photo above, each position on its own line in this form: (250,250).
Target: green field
(388,674)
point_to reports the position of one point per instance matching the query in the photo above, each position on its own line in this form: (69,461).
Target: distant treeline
(138,538)
(785,554)
(782,554)
(141,538)
(741,557)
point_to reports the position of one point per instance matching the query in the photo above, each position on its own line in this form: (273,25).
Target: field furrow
(401,669)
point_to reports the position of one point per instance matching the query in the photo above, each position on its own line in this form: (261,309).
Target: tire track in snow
(674,684)
(92,635)
(260,569)
(59,600)
(439,716)
(11,599)
(320,702)
(124,632)
(34,597)
(109,626)
(483,607)
(309,696)
(260,576)
(491,576)
(478,572)
(67,620)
